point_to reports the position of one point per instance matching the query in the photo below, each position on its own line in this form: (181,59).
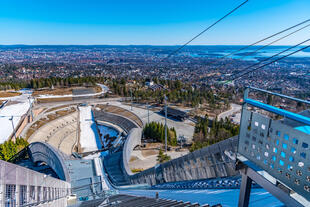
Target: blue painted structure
(275,149)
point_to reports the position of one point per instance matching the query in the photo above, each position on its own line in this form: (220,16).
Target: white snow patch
(13,110)
(89,136)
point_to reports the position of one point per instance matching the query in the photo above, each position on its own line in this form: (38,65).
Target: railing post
(244,107)
(245,96)
(245,190)
(246,183)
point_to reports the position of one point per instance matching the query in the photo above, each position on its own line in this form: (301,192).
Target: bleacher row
(120,121)
(122,112)
(60,133)
(139,201)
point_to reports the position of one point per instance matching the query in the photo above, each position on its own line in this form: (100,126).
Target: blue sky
(151,22)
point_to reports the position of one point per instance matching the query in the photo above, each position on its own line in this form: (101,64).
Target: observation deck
(273,150)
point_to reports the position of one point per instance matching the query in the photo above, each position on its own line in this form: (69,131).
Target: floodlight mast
(165,101)
(11,119)
(131,99)
(30,105)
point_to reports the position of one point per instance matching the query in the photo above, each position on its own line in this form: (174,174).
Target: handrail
(281,112)
(280,95)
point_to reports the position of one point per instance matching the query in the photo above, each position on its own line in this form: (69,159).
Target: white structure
(89,137)
(17,107)
(149,83)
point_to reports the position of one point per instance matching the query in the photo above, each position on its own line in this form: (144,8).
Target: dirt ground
(147,153)
(57,91)
(5,94)
(57,107)
(47,100)
(147,156)
(62,91)
(98,89)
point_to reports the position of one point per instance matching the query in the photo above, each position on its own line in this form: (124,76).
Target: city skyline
(152,23)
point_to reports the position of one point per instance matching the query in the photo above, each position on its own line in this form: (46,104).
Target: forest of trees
(156,131)
(176,92)
(53,81)
(63,82)
(12,85)
(205,134)
(9,148)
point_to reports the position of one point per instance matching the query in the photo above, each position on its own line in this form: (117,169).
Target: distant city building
(156,87)
(149,83)
(175,113)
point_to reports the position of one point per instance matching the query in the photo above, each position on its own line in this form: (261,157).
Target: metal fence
(277,147)
(21,186)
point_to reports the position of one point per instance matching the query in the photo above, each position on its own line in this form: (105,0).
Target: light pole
(30,105)
(165,101)
(181,140)
(11,119)
(148,113)
(131,98)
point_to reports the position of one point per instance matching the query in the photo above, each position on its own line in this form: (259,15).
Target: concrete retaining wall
(43,152)
(133,139)
(208,162)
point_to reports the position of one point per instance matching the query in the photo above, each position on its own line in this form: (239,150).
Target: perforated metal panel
(279,149)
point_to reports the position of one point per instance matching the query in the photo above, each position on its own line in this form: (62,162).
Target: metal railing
(276,146)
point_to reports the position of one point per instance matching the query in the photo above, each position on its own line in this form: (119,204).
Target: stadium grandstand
(175,113)
(120,111)
(123,122)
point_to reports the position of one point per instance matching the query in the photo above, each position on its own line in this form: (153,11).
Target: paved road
(235,108)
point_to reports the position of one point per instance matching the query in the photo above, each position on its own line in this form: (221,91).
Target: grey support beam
(245,191)
(274,190)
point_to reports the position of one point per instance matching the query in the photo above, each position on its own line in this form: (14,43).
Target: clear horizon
(162,23)
(145,45)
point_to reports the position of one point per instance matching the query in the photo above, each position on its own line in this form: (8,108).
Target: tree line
(39,83)
(10,148)
(207,133)
(176,91)
(156,131)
